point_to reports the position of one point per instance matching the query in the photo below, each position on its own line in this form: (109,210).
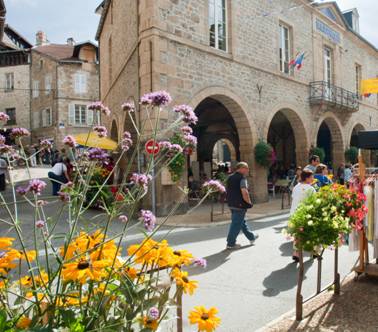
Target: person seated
(321,176)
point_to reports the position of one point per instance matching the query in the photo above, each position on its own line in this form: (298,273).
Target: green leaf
(3,320)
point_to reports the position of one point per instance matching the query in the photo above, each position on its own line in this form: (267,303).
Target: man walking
(314,162)
(239,201)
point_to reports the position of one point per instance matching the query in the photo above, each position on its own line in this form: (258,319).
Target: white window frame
(216,4)
(328,65)
(285,55)
(9,82)
(46,117)
(35,89)
(85,117)
(48,82)
(80,83)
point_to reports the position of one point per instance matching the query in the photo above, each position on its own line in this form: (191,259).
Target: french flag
(298,61)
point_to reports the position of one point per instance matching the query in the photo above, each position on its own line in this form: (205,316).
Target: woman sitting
(58,175)
(321,176)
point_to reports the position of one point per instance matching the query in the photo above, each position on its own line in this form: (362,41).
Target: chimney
(71,41)
(40,39)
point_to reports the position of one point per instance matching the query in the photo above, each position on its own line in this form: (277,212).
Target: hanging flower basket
(264,154)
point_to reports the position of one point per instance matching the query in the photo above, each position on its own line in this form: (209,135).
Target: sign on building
(332,35)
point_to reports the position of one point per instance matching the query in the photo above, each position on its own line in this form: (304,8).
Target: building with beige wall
(230,60)
(64,81)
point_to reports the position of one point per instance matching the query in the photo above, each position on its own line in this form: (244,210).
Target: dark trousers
(56,181)
(238,224)
(2,182)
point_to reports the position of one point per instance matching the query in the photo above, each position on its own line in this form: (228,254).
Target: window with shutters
(79,115)
(48,80)
(9,82)
(36,120)
(285,48)
(11,112)
(80,83)
(46,117)
(35,89)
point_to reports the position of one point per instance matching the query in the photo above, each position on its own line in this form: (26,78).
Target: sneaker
(253,241)
(236,246)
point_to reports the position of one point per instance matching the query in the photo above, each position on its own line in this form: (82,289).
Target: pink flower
(45,144)
(101,131)
(149,220)
(22,191)
(19,132)
(5,148)
(186,130)
(36,186)
(128,107)
(141,180)
(187,113)
(123,218)
(4,117)
(200,262)
(214,186)
(158,99)
(176,148)
(153,313)
(190,140)
(165,145)
(126,142)
(69,141)
(39,224)
(99,106)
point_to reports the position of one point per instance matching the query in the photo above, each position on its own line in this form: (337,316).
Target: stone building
(64,80)
(14,76)
(230,60)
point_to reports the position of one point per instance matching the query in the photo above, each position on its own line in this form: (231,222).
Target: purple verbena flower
(190,140)
(99,106)
(40,223)
(214,186)
(4,148)
(158,99)
(200,262)
(187,130)
(22,191)
(141,180)
(123,218)
(69,141)
(45,144)
(128,107)
(148,219)
(126,141)
(36,186)
(19,132)
(4,117)
(165,145)
(176,148)
(101,131)
(187,113)
(2,139)
(97,154)
(153,313)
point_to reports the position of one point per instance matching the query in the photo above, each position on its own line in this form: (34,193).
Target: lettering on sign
(328,31)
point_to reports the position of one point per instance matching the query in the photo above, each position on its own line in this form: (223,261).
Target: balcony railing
(322,92)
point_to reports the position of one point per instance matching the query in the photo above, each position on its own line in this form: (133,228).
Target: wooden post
(361,238)
(337,274)
(179,312)
(319,278)
(212,211)
(299,304)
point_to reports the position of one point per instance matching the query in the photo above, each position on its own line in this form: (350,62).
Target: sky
(61,19)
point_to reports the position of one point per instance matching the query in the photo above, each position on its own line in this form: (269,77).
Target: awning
(368,140)
(94,141)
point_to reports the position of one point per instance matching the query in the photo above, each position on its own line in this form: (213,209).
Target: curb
(225,222)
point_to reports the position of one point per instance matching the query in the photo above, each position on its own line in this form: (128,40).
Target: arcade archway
(354,136)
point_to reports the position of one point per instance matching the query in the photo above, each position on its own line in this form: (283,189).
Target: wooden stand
(364,266)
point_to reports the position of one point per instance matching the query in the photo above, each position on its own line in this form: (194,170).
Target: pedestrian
(3,173)
(341,174)
(239,202)
(33,157)
(58,176)
(348,174)
(296,179)
(301,191)
(321,176)
(314,162)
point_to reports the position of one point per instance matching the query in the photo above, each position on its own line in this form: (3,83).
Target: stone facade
(60,91)
(165,46)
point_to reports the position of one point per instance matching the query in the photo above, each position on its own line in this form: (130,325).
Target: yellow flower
(182,257)
(31,255)
(41,297)
(205,319)
(6,242)
(83,270)
(182,280)
(40,280)
(71,300)
(149,323)
(151,252)
(131,272)
(23,323)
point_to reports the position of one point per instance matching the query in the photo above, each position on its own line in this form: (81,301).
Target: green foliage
(263,154)
(318,151)
(351,154)
(177,164)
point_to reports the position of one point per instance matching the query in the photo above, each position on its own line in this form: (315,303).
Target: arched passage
(354,136)
(114,131)
(224,151)
(330,139)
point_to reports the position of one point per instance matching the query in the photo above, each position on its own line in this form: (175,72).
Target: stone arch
(298,127)
(114,131)
(230,145)
(353,132)
(337,139)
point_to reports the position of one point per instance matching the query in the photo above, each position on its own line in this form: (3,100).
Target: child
(301,191)
(321,176)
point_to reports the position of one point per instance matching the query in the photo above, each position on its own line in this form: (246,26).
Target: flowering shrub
(321,219)
(87,280)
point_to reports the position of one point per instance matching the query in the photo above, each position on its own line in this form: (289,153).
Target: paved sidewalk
(200,217)
(354,310)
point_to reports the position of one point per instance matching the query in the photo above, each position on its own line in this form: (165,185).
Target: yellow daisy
(206,320)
